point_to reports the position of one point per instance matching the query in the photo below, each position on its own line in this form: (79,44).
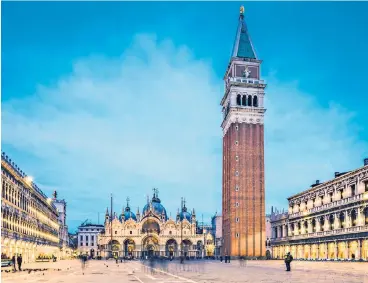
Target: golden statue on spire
(241,10)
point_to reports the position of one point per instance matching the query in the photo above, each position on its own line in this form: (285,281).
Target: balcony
(326,206)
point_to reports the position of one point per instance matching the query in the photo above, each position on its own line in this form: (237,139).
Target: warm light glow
(28,179)
(365,196)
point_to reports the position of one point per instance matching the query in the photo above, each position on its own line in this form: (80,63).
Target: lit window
(236,173)
(237,235)
(236,188)
(237,158)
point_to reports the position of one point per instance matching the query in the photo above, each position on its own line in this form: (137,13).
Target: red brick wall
(251,194)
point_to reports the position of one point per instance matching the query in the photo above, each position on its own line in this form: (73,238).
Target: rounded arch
(238,99)
(353,216)
(150,246)
(151,226)
(255,101)
(171,248)
(342,219)
(129,247)
(244,100)
(365,215)
(249,100)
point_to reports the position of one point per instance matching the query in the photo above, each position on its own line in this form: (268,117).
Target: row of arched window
(24,200)
(15,223)
(247,100)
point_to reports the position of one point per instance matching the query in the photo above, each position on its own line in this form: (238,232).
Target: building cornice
(249,115)
(329,186)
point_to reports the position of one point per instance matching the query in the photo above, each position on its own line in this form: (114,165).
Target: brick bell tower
(243,186)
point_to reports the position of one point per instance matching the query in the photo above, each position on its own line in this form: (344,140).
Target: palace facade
(29,219)
(153,233)
(243,186)
(327,221)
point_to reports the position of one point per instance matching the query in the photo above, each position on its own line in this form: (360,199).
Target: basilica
(153,233)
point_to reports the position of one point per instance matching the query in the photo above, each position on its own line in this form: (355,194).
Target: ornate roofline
(329,185)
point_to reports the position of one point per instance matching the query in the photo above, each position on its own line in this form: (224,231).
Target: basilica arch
(129,247)
(171,248)
(150,246)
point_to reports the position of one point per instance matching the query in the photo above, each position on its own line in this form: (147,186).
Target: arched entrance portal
(171,249)
(187,248)
(129,247)
(151,247)
(114,247)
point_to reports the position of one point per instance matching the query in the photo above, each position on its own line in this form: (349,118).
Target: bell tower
(243,187)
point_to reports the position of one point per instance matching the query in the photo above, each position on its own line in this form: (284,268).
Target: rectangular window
(352,190)
(366,186)
(86,244)
(87,238)
(237,235)
(92,238)
(81,238)
(81,244)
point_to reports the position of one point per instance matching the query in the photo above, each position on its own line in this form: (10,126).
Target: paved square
(192,271)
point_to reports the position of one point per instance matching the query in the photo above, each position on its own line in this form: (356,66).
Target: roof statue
(243,47)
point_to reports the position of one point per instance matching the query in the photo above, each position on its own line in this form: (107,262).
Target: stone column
(347,219)
(327,223)
(317,256)
(326,251)
(318,225)
(359,252)
(289,230)
(310,228)
(346,252)
(359,218)
(336,221)
(335,250)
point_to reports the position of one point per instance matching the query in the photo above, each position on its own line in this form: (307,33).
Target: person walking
(288,260)
(19,261)
(13,262)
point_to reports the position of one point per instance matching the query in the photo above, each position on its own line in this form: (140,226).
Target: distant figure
(83,261)
(19,261)
(221,258)
(228,259)
(13,262)
(288,260)
(242,261)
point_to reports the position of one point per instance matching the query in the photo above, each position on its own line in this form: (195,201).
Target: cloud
(151,118)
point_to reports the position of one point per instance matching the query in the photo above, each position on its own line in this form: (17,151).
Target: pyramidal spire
(243,47)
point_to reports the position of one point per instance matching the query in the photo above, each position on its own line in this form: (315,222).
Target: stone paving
(192,271)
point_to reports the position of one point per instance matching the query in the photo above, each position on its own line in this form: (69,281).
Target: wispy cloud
(151,118)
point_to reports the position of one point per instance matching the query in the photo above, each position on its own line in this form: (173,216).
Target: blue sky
(123,97)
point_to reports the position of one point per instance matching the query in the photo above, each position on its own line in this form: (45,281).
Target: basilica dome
(156,207)
(184,214)
(127,215)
